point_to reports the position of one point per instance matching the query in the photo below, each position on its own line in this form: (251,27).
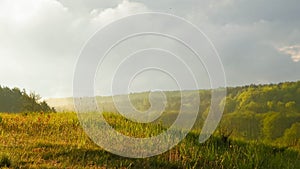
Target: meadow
(57,140)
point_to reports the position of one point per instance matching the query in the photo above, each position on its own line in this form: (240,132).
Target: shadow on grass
(73,156)
(215,153)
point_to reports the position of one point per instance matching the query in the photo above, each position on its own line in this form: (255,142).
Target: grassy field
(58,141)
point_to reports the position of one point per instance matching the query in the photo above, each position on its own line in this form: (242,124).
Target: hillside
(268,113)
(282,97)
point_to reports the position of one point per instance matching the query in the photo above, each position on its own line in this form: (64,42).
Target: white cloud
(41,39)
(110,14)
(25,12)
(293,51)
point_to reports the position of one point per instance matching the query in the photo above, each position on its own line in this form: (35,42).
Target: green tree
(15,101)
(276,123)
(291,106)
(292,135)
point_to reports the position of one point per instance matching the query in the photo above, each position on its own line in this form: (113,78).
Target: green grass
(58,141)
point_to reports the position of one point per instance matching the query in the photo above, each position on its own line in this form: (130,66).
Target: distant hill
(280,97)
(269,112)
(61,104)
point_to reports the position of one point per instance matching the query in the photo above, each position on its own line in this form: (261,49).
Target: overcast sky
(40,40)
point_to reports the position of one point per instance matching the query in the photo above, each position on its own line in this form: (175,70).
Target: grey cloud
(40,51)
(244,11)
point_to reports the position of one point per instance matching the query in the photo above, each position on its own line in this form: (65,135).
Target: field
(57,140)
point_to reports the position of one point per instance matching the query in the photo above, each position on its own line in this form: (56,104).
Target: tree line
(15,101)
(269,112)
(264,112)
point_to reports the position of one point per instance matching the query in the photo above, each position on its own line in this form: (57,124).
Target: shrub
(5,161)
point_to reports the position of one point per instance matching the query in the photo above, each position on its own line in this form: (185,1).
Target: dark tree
(15,101)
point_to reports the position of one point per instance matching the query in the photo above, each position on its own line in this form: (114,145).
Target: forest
(264,112)
(268,113)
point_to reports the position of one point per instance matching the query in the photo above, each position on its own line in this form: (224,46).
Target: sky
(41,40)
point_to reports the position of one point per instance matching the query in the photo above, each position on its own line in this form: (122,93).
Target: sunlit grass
(57,140)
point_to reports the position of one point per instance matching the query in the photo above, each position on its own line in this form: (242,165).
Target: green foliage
(275,124)
(291,106)
(245,125)
(230,105)
(292,135)
(4,161)
(263,112)
(283,97)
(16,101)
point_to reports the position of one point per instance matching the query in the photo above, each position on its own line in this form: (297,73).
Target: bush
(5,161)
